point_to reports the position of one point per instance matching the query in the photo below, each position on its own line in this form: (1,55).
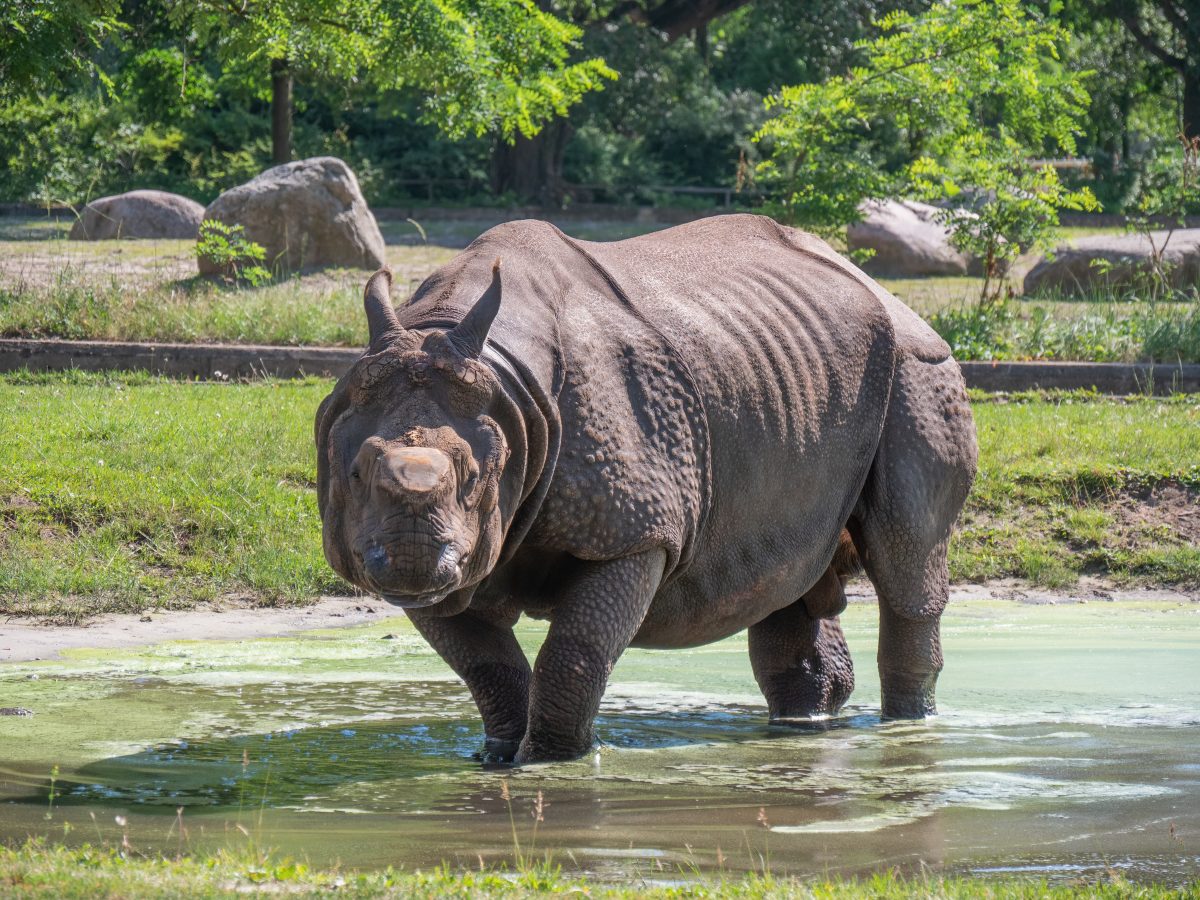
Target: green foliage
(384,84)
(157,133)
(45,42)
(1015,331)
(665,121)
(1166,193)
(1011,207)
(229,250)
(948,105)
(483,66)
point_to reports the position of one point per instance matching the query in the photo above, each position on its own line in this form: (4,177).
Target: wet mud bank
(32,640)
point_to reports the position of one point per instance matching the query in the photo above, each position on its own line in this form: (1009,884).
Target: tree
(1169,30)
(482,65)
(43,42)
(948,105)
(531,166)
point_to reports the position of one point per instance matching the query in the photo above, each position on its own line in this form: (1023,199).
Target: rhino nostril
(376,560)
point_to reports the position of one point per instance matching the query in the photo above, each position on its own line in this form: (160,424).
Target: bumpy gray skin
(655,442)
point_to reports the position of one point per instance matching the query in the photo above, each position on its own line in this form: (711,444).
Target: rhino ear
(377,301)
(471,333)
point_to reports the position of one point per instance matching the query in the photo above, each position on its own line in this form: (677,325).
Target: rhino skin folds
(655,442)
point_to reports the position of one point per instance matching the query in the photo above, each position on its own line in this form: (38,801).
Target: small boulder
(1074,271)
(907,239)
(138,214)
(305,214)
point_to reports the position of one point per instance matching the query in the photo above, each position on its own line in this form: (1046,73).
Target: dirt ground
(23,641)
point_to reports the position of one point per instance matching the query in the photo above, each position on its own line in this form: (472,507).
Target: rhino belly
(762,549)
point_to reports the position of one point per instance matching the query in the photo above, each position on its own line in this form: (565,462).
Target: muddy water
(1069,743)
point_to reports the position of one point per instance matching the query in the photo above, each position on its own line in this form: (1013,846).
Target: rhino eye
(355,474)
(469,484)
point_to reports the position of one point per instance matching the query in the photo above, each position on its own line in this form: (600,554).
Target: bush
(228,248)
(948,106)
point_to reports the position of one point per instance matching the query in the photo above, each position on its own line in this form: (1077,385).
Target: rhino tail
(846,561)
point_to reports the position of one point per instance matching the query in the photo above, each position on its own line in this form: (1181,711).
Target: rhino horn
(377,301)
(471,333)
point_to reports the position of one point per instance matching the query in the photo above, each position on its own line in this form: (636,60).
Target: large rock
(138,214)
(306,214)
(1074,269)
(908,241)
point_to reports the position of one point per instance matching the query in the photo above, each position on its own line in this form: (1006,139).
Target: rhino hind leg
(799,654)
(902,523)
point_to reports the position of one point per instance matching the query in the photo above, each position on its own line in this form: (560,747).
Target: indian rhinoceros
(655,442)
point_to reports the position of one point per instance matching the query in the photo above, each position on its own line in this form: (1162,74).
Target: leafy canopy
(948,105)
(44,42)
(482,65)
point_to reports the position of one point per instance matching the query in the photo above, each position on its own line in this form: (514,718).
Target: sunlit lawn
(40,871)
(122,493)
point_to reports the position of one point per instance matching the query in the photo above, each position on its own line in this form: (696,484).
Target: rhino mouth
(412,577)
(419,601)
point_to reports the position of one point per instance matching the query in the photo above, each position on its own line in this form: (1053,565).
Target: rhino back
(792,352)
(721,386)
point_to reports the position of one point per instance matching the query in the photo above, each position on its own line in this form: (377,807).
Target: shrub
(948,106)
(228,248)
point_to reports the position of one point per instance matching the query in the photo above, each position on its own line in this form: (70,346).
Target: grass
(125,492)
(36,870)
(148,290)
(135,493)
(1078,484)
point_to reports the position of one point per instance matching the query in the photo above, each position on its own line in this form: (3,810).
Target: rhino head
(409,461)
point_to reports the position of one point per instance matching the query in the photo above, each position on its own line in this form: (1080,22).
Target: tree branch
(1172,14)
(1129,17)
(674,18)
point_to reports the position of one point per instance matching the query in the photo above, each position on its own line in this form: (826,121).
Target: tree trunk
(281,112)
(531,168)
(1191,100)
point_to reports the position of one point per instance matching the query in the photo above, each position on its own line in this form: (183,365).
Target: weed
(228,249)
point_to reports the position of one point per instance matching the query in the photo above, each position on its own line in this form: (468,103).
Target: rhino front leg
(590,629)
(485,654)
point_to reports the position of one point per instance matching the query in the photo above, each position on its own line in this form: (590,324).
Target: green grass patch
(1075,484)
(125,493)
(128,494)
(38,870)
(149,290)
(1097,332)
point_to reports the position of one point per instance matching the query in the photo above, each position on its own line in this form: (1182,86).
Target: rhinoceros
(655,442)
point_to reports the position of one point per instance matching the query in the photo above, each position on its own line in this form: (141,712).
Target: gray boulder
(908,241)
(138,214)
(1073,268)
(306,214)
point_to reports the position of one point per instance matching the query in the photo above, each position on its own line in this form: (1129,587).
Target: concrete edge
(219,362)
(206,362)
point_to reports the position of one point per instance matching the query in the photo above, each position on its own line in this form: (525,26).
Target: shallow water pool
(1068,744)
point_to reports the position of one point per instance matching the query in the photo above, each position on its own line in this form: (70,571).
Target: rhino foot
(908,696)
(802,665)
(497,752)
